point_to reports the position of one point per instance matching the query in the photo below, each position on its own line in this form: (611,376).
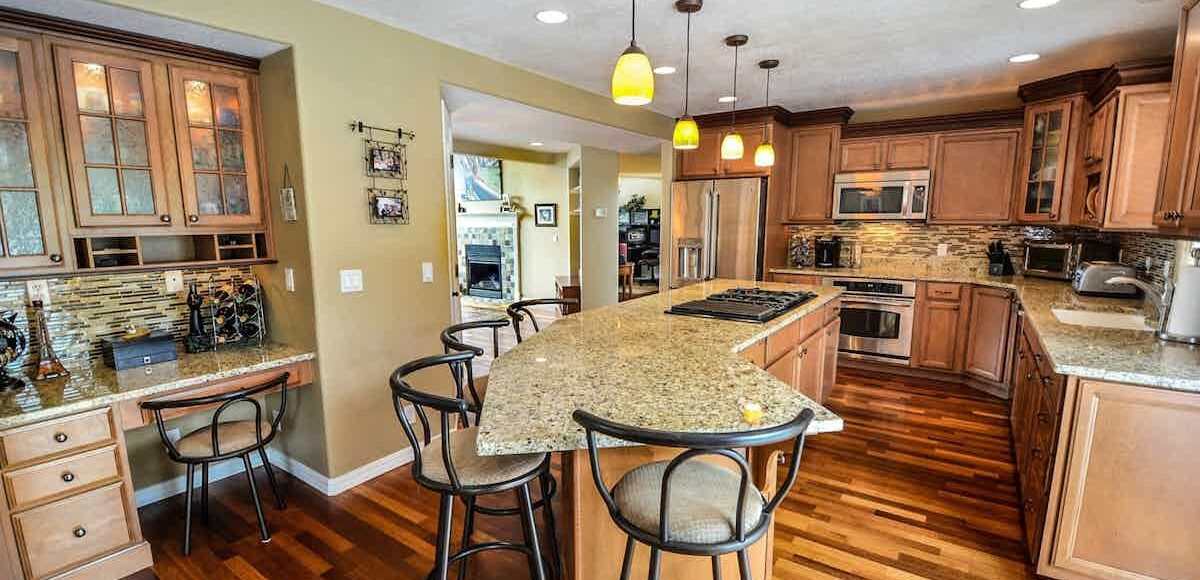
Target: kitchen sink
(1115,320)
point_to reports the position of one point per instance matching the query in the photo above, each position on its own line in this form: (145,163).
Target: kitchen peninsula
(635,364)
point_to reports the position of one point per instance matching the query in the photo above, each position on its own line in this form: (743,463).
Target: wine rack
(236,314)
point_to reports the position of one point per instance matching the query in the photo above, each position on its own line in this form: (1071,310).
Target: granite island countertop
(97,385)
(1125,356)
(635,364)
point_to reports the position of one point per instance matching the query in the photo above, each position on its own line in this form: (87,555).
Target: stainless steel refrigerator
(716,229)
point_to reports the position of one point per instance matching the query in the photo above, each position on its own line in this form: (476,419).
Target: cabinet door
(1141,133)
(861,155)
(704,161)
(810,359)
(829,364)
(752,137)
(987,337)
(1099,125)
(784,369)
(938,335)
(814,154)
(218,156)
(1045,172)
(111,125)
(973,180)
(909,152)
(1179,169)
(28,228)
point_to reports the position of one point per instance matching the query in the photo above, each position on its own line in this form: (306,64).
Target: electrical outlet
(173,435)
(289,279)
(174,280)
(943,250)
(352,281)
(38,290)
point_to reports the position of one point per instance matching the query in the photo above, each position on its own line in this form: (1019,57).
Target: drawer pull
(1037,357)
(68,477)
(1029,507)
(60,437)
(79,532)
(1046,381)
(1043,418)
(1037,453)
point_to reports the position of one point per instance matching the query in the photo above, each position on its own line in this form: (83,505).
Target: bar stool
(692,507)
(223,440)
(452,342)
(517,311)
(454,469)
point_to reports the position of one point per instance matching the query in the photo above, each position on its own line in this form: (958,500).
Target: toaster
(1089,280)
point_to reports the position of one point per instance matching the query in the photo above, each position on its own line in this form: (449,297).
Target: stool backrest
(517,311)
(464,376)
(698,445)
(423,402)
(224,402)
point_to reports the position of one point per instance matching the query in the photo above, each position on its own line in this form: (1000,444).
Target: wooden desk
(568,287)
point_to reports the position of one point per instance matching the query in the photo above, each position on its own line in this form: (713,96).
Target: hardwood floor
(921,484)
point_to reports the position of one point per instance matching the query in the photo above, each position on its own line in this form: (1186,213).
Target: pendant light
(633,78)
(731,146)
(764,155)
(687,133)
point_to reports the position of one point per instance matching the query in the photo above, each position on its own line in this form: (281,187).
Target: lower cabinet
(989,333)
(938,331)
(804,355)
(810,360)
(1036,415)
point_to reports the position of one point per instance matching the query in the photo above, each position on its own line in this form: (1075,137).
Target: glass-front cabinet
(1046,175)
(217,161)
(29,235)
(111,127)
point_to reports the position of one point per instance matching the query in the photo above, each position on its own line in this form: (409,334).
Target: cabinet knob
(68,477)
(193,218)
(60,437)
(1043,418)
(1052,215)
(1037,357)
(1046,381)
(56,258)
(164,218)
(79,532)
(1037,453)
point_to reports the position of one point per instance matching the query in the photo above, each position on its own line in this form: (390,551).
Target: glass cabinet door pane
(126,92)
(1039,130)
(233,157)
(91,87)
(139,195)
(199,102)
(97,140)
(1035,164)
(16,169)
(229,111)
(22,223)
(104,191)
(131,142)
(11,103)
(236,197)
(208,194)
(204,148)
(1031,198)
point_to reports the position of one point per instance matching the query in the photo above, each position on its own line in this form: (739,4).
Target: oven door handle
(879,302)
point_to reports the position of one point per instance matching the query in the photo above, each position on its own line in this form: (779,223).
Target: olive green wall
(348,67)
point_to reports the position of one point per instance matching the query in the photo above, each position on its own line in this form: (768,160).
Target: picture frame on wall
(388,206)
(477,178)
(387,160)
(545,215)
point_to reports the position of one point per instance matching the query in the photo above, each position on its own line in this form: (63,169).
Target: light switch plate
(38,290)
(352,281)
(943,250)
(174,281)
(427,272)
(289,279)
(601,212)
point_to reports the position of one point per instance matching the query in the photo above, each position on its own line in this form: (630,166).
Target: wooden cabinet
(939,327)
(886,154)
(829,364)
(1035,417)
(973,177)
(989,335)
(1138,137)
(29,234)
(1178,200)
(861,155)
(752,137)
(810,360)
(804,354)
(705,160)
(797,279)
(813,165)
(1052,135)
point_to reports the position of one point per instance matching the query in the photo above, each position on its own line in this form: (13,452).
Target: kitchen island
(634,364)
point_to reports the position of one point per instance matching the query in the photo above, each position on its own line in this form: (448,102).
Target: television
(477,178)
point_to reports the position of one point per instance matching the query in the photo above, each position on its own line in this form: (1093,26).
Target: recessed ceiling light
(1027,57)
(664,70)
(551,16)
(727,99)
(536,143)
(1035,4)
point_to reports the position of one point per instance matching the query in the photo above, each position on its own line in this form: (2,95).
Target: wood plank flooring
(921,484)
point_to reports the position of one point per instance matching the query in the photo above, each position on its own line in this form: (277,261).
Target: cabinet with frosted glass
(1052,141)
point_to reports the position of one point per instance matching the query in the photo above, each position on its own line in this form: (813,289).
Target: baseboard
(369,471)
(997,390)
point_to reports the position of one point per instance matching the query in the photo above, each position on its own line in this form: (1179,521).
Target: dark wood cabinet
(973,177)
(1036,414)
(989,334)
(813,164)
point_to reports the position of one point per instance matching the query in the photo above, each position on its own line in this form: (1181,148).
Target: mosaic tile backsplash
(84,310)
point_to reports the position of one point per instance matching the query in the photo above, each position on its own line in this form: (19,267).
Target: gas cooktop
(743,304)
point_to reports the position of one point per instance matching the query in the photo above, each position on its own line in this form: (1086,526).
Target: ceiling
(116,17)
(483,118)
(868,54)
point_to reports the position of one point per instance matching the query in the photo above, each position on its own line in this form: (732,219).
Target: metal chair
(452,468)
(692,507)
(452,342)
(224,440)
(518,311)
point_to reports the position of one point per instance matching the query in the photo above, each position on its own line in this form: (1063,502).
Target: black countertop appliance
(829,252)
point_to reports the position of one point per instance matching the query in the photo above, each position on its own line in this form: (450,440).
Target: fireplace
(485,272)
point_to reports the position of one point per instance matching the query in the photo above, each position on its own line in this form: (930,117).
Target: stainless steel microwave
(890,195)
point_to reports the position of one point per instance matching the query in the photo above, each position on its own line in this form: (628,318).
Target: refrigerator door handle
(714,234)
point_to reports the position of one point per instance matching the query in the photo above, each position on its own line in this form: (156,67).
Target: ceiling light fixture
(551,16)
(764,154)
(727,99)
(1027,57)
(632,78)
(664,70)
(1035,4)
(536,144)
(687,133)
(731,146)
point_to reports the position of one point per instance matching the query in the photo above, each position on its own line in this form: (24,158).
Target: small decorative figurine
(12,343)
(196,340)
(49,367)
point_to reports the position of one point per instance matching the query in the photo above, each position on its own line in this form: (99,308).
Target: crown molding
(1072,83)
(1132,72)
(999,119)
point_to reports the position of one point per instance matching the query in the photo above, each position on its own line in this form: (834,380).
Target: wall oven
(891,195)
(877,318)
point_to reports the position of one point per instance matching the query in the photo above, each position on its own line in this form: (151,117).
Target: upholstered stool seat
(473,469)
(703,501)
(232,437)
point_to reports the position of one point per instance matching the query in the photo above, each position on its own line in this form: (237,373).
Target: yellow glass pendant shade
(687,134)
(732,147)
(633,78)
(764,155)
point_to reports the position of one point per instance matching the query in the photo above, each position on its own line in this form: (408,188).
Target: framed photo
(387,160)
(388,206)
(477,178)
(545,215)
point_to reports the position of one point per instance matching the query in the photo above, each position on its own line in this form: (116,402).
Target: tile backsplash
(84,310)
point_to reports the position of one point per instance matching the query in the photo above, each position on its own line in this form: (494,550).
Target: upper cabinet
(218,164)
(861,155)
(111,126)
(974,175)
(900,153)
(1051,136)
(1178,201)
(29,235)
(813,163)
(705,161)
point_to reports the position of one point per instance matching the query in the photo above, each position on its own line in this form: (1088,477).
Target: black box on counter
(125,353)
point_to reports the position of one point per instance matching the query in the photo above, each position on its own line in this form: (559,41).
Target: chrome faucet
(1161,299)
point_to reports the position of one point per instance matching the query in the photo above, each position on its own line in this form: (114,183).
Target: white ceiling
(109,16)
(483,118)
(868,54)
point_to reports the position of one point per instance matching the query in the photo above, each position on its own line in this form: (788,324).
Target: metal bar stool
(454,469)
(691,507)
(517,311)
(452,342)
(223,440)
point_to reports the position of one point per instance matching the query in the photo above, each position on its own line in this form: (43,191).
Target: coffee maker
(829,252)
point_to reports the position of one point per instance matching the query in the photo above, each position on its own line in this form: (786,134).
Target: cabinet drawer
(67,532)
(30,485)
(943,291)
(804,279)
(54,437)
(833,310)
(783,341)
(756,353)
